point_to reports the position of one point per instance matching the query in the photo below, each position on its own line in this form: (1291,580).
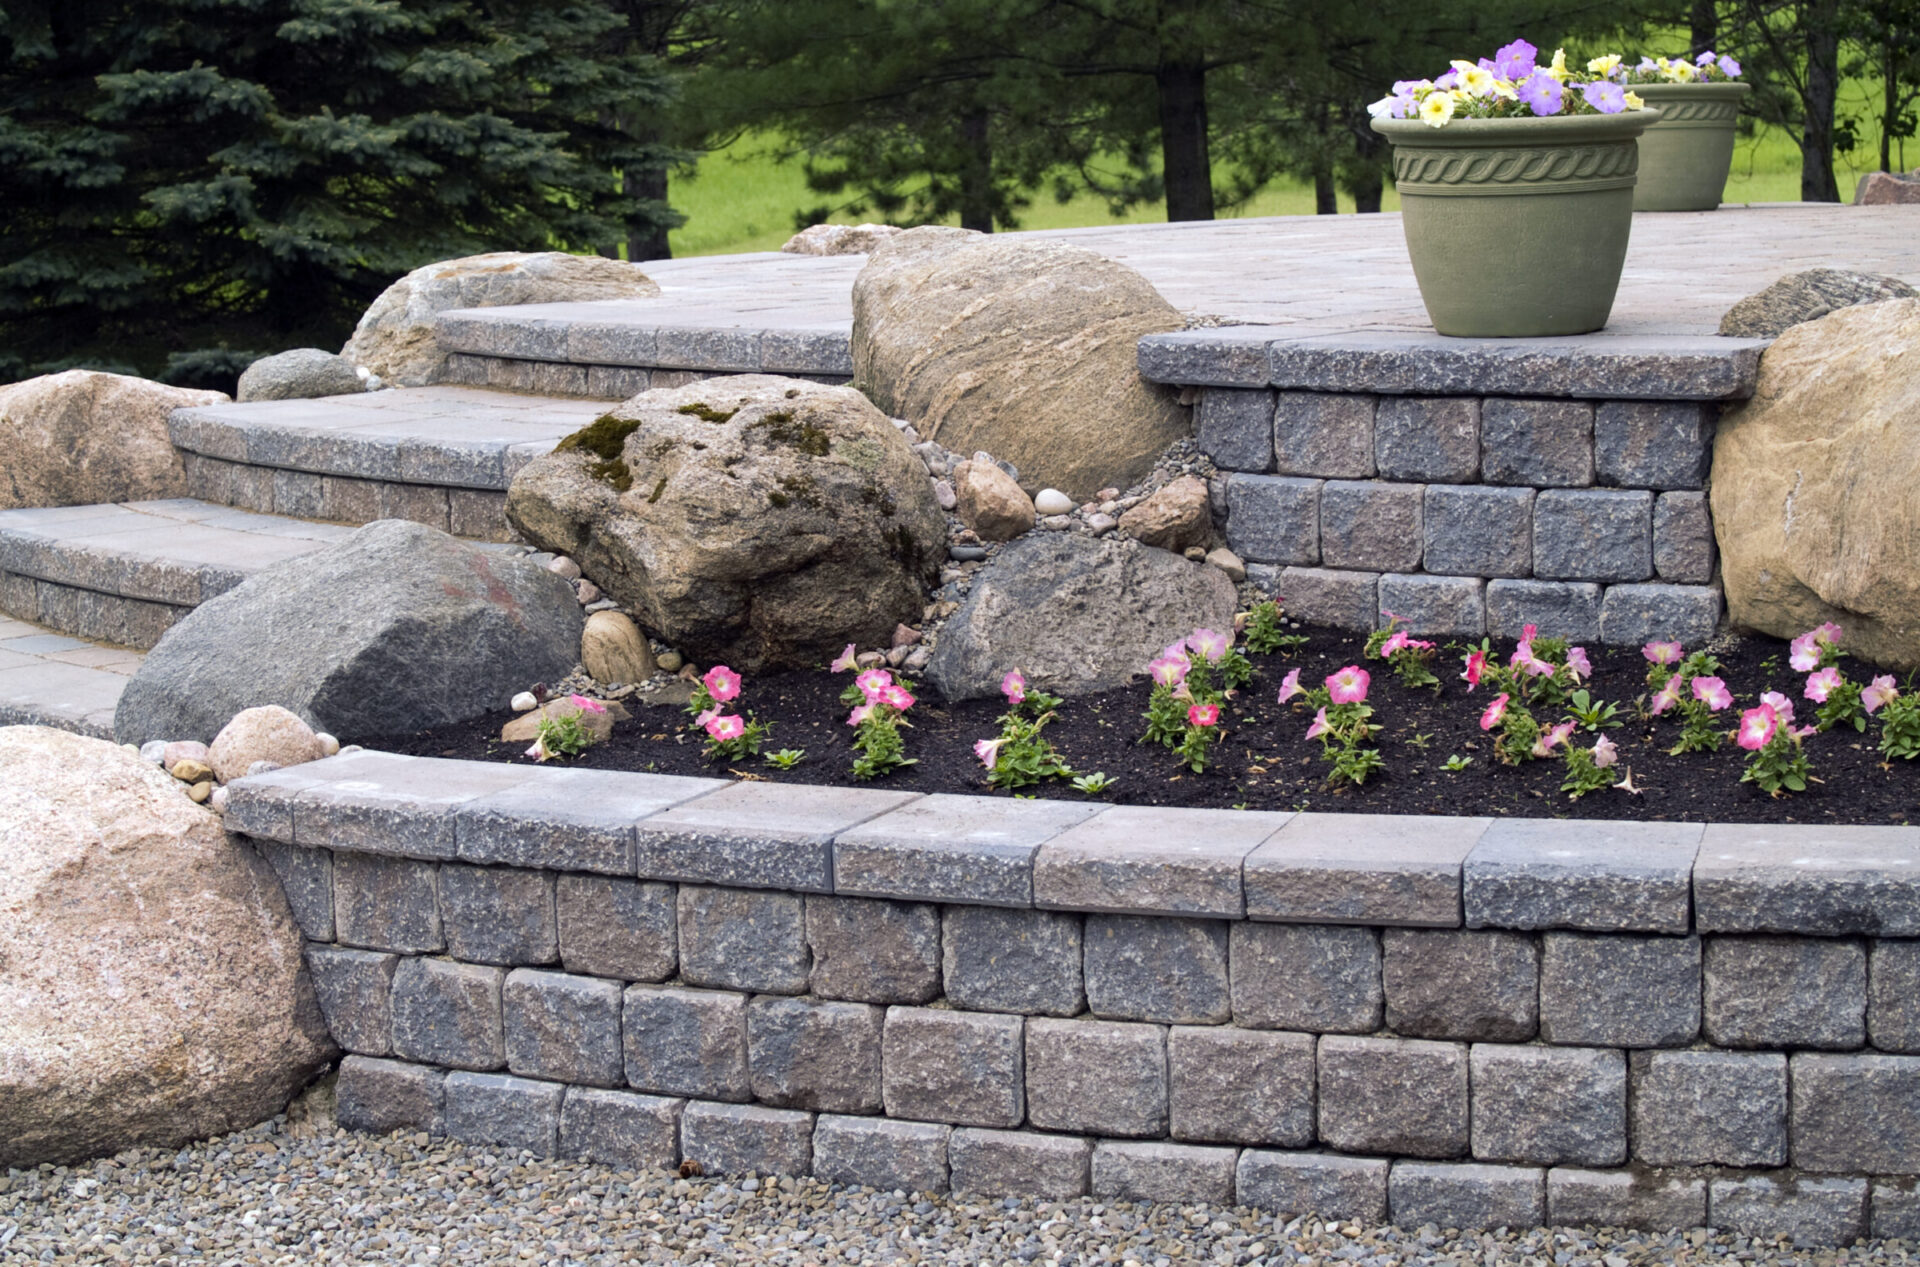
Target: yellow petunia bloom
(1604,65)
(1504,89)
(1634,100)
(1476,81)
(1437,109)
(1681,71)
(1558,67)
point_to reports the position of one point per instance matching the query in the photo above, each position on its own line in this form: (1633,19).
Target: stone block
(803,1054)
(499,915)
(1427,438)
(1475,530)
(1319,596)
(347,500)
(757,835)
(1329,435)
(1320,978)
(569,820)
(387,903)
(1012,961)
(1274,518)
(1654,1201)
(1479,986)
(1149,861)
(355,992)
(478,513)
(1683,549)
(447,1013)
(378,1096)
(262,806)
(1225,356)
(1435,606)
(1096,1077)
(619,1128)
(1613,990)
(1323,1184)
(1549,1105)
(870,951)
(1856,1113)
(1710,1108)
(967,1068)
(1819,880)
(1395,1096)
(1896,1209)
(398,805)
(1560,609)
(1235,428)
(416,502)
(1146,968)
(296,493)
(306,876)
(876,1152)
(1366,524)
(1893,995)
(1631,615)
(1163,1172)
(1233,1086)
(499,1111)
(945,848)
(616,382)
(1593,534)
(562,1027)
(1786,992)
(1361,869)
(1588,875)
(616,928)
(1467,1196)
(1019,1163)
(1653,443)
(742,939)
(685,1042)
(739,1139)
(1809,1211)
(251,488)
(1542,443)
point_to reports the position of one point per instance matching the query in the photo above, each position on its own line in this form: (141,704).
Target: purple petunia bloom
(1542,94)
(1705,59)
(1516,61)
(1448,81)
(1729,68)
(1607,98)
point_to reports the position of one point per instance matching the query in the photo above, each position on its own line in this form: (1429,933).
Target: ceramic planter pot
(1685,156)
(1517,227)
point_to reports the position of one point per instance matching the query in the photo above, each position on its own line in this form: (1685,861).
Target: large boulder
(1887,189)
(1075,614)
(1023,348)
(395,336)
(1808,296)
(397,628)
(151,985)
(299,374)
(753,520)
(1813,485)
(84,437)
(839,239)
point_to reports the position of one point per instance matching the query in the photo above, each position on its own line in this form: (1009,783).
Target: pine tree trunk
(1817,183)
(1184,157)
(1367,186)
(650,184)
(1324,202)
(976,179)
(1705,23)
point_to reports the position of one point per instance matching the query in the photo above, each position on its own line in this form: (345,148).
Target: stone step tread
(50,679)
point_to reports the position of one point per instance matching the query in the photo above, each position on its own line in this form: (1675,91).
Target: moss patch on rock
(706,413)
(604,438)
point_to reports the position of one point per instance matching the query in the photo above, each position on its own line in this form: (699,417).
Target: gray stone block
(480,514)
(1369,525)
(907,1156)
(1338,600)
(1856,1113)
(1274,518)
(1893,995)
(1654,1201)
(1322,434)
(1395,1096)
(499,1111)
(1896,1209)
(1474,530)
(616,382)
(1227,356)
(685,1042)
(296,493)
(945,848)
(1427,438)
(499,915)
(1653,443)
(1710,1108)
(1012,961)
(1560,609)
(569,820)
(757,835)
(1149,861)
(1631,615)
(825,351)
(1097,1077)
(1321,978)
(1683,549)
(347,500)
(1786,992)
(616,928)
(1809,1211)
(378,1096)
(1235,428)
(1542,443)
(1233,1086)
(1593,534)
(306,876)
(1163,1172)
(1361,869)
(871,951)
(739,1139)
(1480,986)
(1146,968)
(741,939)
(1593,876)
(1467,1196)
(562,1027)
(965,1068)
(619,1128)
(1818,880)
(803,1054)
(387,903)
(1550,1105)
(447,1013)
(1295,1184)
(1612,990)
(355,992)
(1019,1163)
(1435,606)
(399,805)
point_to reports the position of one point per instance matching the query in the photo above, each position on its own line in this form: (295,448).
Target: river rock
(1808,296)
(151,984)
(268,733)
(1051,501)
(1886,189)
(751,521)
(1022,347)
(1813,485)
(990,502)
(301,374)
(614,650)
(395,336)
(82,437)
(1075,614)
(839,239)
(1177,517)
(396,628)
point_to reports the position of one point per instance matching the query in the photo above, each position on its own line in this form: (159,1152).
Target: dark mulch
(1265,761)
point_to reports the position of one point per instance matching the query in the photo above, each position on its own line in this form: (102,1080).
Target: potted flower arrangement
(1516,183)
(1684,156)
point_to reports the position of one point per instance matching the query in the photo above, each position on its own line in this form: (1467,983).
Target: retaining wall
(1468,1022)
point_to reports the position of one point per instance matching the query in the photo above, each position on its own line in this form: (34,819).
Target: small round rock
(966,554)
(329,746)
(154,750)
(670,661)
(562,566)
(524,702)
(199,793)
(218,801)
(1051,501)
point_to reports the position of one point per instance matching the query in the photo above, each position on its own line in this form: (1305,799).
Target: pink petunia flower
(845,662)
(860,714)
(1552,738)
(702,720)
(1014,686)
(872,682)
(1605,753)
(1821,683)
(1663,652)
(1320,726)
(897,697)
(1203,715)
(1398,641)
(586,705)
(1712,692)
(1528,633)
(1349,685)
(1476,666)
(727,727)
(1668,697)
(1168,672)
(1803,655)
(1757,728)
(1524,661)
(1578,662)
(722,683)
(1495,711)
(1177,651)
(1878,693)
(988,750)
(1290,686)
(1209,645)
(1782,706)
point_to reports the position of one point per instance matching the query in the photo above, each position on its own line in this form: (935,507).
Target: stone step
(50,679)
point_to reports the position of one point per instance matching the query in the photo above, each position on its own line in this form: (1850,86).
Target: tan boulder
(1020,347)
(614,650)
(1174,518)
(598,722)
(151,984)
(839,239)
(1886,189)
(1813,495)
(395,336)
(269,733)
(989,502)
(83,437)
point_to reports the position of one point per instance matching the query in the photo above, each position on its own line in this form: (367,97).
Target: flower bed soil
(1265,761)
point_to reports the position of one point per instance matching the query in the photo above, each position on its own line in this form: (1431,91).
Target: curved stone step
(50,679)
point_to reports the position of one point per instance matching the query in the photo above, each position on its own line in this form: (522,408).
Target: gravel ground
(298,1192)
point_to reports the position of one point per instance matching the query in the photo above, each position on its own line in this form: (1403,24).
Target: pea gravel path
(303,1192)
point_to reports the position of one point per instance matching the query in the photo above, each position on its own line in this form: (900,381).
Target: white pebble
(524,702)
(218,801)
(1052,501)
(329,746)
(152,750)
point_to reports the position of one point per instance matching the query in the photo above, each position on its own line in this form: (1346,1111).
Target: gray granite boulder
(396,628)
(299,374)
(1808,296)
(83,437)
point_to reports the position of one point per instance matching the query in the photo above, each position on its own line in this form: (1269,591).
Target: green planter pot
(1685,156)
(1517,227)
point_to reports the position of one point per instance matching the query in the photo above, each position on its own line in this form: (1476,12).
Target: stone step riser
(477,513)
(592,382)
(87,613)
